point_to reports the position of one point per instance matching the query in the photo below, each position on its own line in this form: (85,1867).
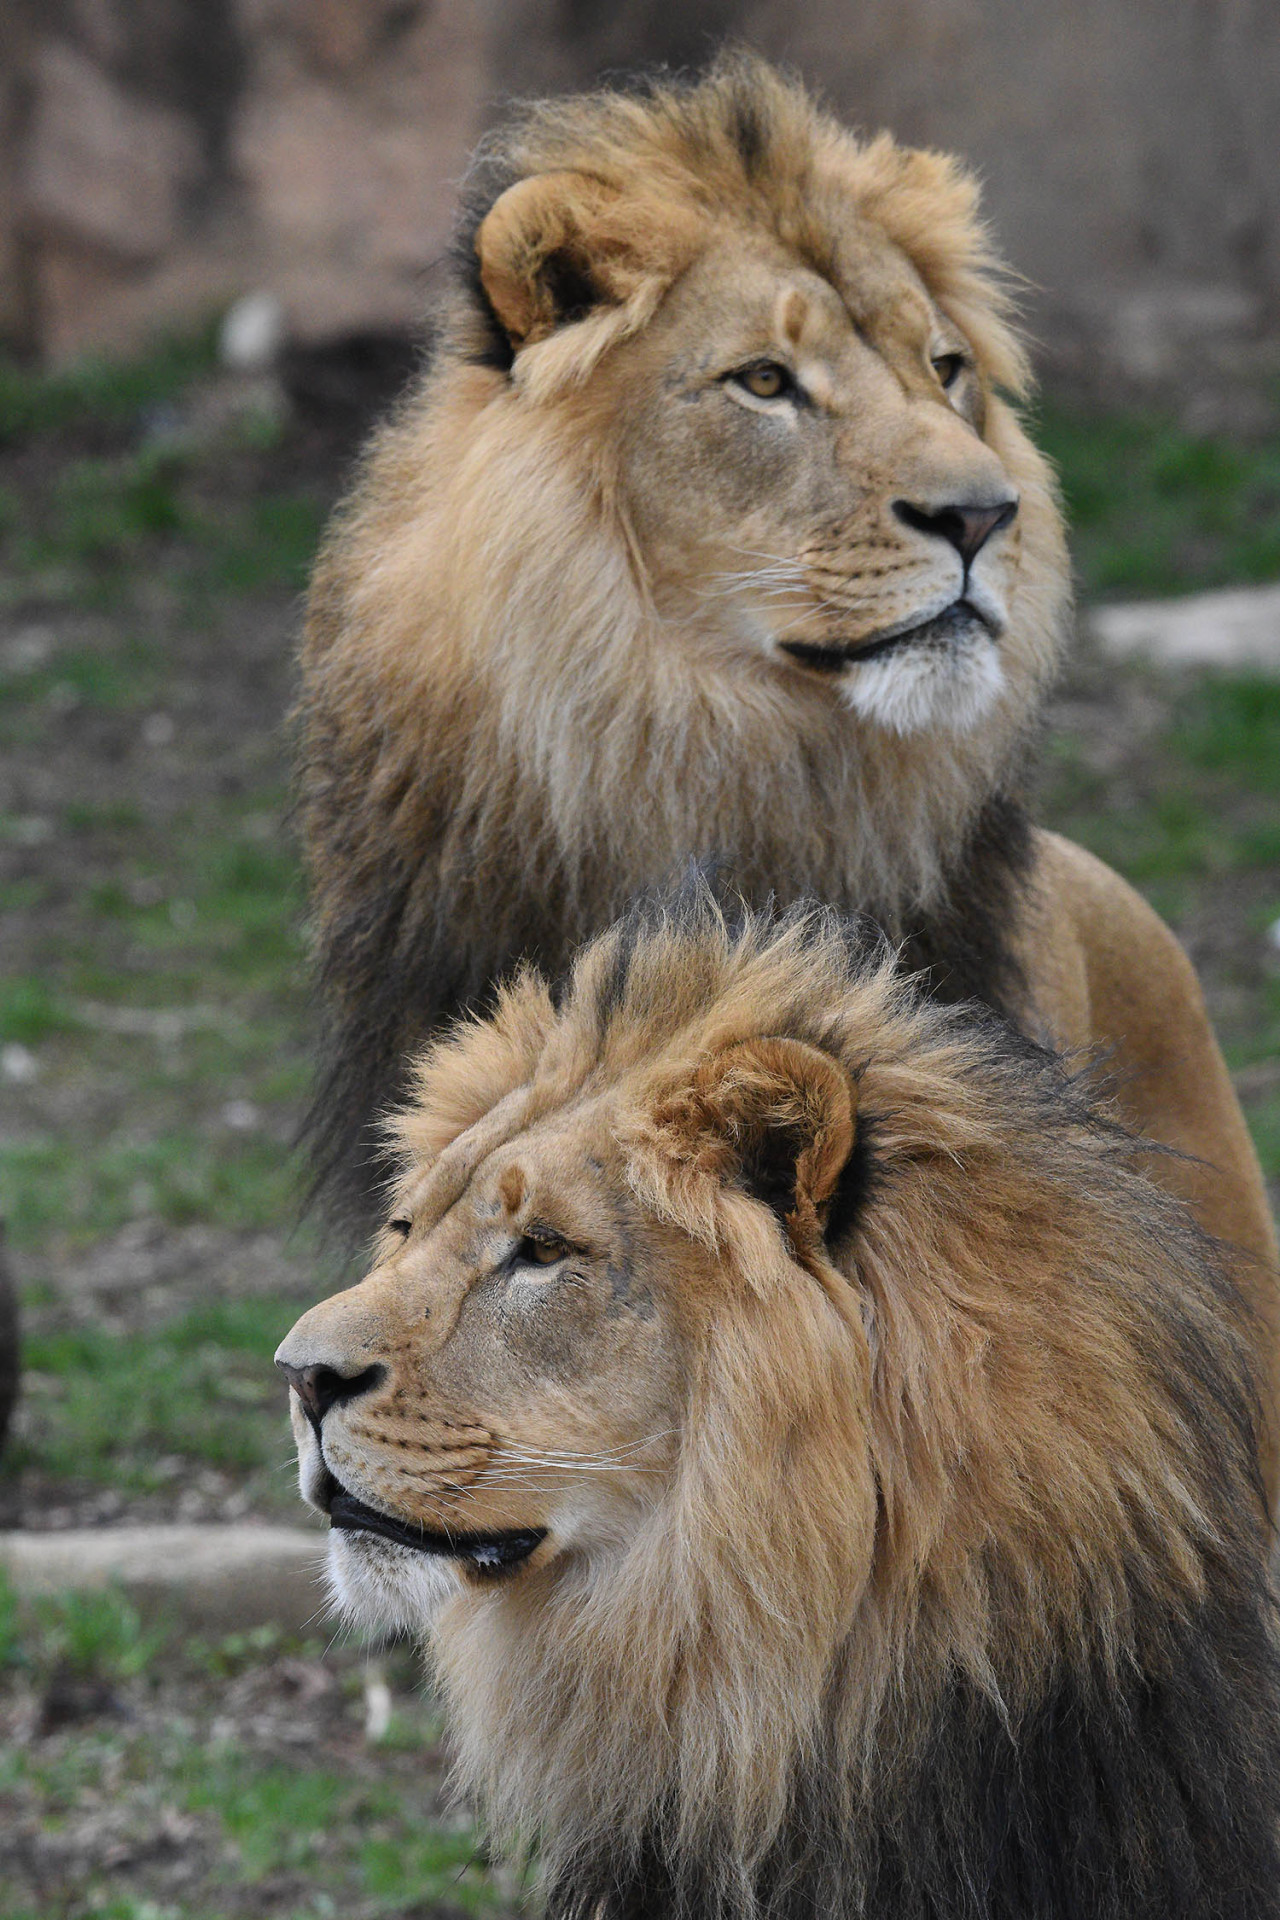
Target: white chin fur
(923,688)
(384,1588)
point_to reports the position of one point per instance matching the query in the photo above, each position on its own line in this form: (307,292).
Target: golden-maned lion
(822,1463)
(707,535)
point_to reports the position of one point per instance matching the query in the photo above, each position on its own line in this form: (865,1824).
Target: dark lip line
(483,1552)
(830,658)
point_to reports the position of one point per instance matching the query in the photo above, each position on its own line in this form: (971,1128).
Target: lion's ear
(783,1116)
(548,255)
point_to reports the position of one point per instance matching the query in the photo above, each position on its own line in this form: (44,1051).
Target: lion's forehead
(878,284)
(489,1177)
(861,287)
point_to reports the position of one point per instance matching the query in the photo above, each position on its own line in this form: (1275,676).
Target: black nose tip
(320,1388)
(967,529)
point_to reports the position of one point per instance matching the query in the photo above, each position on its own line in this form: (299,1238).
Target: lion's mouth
(487,1553)
(959,621)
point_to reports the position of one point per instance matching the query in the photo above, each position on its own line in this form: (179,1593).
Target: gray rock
(104,166)
(1237,628)
(213,1579)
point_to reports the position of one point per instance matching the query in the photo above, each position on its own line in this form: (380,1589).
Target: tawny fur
(912,1387)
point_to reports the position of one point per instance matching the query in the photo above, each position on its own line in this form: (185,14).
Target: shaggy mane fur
(953,1606)
(500,743)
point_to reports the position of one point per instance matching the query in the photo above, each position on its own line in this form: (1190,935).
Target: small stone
(31,830)
(1273,934)
(18,1063)
(216,1579)
(162,424)
(241,1116)
(29,648)
(252,333)
(158,730)
(377,1706)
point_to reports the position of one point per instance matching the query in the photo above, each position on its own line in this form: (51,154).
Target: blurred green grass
(107,516)
(126,485)
(38,401)
(126,1411)
(176,969)
(1192,821)
(1155,510)
(149,1735)
(1207,800)
(157,983)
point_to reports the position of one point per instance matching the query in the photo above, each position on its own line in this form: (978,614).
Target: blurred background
(220,224)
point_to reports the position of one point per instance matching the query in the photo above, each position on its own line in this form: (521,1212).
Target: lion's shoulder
(1105,971)
(1096,942)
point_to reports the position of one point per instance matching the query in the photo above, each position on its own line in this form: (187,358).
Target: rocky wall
(159,158)
(165,156)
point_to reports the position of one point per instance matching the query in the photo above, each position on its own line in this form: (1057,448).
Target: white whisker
(776,559)
(513,1449)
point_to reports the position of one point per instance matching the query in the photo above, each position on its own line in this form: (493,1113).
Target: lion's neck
(637,755)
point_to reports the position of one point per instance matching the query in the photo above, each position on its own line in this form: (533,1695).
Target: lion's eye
(541,1250)
(402,1227)
(766,381)
(949,367)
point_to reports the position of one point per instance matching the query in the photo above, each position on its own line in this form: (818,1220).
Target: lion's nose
(966,528)
(320,1387)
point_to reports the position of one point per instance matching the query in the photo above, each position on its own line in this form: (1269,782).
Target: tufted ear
(780,1117)
(548,254)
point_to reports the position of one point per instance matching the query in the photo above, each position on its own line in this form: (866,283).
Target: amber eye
(949,367)
(402,1227)
(767,381)
(541,1250)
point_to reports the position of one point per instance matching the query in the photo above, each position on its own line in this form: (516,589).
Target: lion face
(804,463)
(500,1387)
(798,387)
(508,1389)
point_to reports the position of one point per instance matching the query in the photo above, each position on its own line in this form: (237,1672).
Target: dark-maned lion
(707,535)
(822,1463)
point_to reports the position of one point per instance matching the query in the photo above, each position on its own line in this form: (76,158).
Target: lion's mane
(499,745)
(1040,1677)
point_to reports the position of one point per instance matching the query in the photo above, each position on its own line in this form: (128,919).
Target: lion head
(792,358)
(710,532)
(772,1391)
